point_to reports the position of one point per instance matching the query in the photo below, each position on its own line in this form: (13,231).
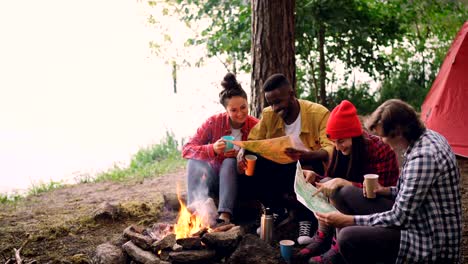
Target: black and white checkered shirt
(427,205)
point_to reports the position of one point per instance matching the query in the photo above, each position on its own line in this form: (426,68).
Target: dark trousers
(365,244)
(275,186)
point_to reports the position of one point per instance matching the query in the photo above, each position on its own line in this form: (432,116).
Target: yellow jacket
(314,119)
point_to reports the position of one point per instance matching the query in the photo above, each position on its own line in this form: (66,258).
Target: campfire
(188,234)
(190,224)
(194,238)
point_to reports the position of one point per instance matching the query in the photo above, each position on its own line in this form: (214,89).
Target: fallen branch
(18,252)
(18,256)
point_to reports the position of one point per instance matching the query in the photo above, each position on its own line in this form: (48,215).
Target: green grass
(35,189)
(43,187)
(148,162)
(9,198)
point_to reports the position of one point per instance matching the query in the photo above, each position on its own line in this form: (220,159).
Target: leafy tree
(361,96)
(350,31)
(381,38)
(226,29)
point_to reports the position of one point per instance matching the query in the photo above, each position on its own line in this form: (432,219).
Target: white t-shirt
(294,129)
(237,134)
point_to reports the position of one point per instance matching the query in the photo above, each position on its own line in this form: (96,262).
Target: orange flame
(187,223)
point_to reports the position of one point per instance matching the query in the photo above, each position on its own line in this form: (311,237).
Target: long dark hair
(352,167)
(231,88)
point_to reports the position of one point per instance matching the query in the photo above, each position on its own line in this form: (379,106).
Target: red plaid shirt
(382,161)
(200,146)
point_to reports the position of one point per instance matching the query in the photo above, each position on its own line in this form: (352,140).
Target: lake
(80,89)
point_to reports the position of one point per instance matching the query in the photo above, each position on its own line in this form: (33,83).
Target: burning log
(190,242)
(193,256)
(200,232)
(223,241)
(139,254)
(223,228)
(138,239)
(160,230)
(165,243)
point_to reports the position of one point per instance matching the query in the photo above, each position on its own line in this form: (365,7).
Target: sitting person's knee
(231,162)
(344,193)
(346,237)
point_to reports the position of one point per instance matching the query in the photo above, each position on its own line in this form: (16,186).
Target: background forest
(398,45)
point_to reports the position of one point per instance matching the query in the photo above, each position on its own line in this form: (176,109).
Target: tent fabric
(445,108)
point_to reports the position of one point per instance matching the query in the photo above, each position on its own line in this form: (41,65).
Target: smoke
(199,201)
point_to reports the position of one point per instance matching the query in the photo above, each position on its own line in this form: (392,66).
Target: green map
(304,191)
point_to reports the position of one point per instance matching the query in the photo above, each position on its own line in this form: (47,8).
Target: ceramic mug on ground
(229,144)
(371,181)
(286,248)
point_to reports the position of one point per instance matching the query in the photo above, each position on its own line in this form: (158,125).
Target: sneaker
(304,233)
(332,256)
(280,217)
(319,245)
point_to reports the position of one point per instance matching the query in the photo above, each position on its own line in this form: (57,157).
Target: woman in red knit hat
(356,153)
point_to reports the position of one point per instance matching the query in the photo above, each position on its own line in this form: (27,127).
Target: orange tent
(445,108)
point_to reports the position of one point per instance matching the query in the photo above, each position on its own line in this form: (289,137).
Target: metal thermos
(266,226)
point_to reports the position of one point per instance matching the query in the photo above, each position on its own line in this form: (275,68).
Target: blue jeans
(225,182)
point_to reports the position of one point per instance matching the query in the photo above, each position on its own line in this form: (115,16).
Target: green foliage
(361,96)
(380,38)
(10,198)
(148,162)
(227,29)
(408,85)
(43,187)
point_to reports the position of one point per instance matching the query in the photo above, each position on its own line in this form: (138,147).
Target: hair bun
(230,82)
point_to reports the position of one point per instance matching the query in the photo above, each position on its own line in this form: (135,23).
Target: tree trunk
(322,66)
(174,75)
(272,46)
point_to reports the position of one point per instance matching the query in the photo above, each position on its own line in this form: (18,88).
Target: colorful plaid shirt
(382,161)
(200,146)
(427,205)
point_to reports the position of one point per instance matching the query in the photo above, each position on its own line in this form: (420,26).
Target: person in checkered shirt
(424,223)
(211,167)
(356,153)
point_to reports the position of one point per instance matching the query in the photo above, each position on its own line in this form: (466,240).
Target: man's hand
(379,190)
(294,154)
(335,219)
(241,162)
(219,146)
(330,187)
(310,176)
(232,153)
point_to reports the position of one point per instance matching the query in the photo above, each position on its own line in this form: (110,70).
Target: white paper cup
(371,181)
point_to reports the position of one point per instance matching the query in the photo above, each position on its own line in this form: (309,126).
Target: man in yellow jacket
(288,115)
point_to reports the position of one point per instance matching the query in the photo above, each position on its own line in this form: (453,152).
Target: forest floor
(59,226)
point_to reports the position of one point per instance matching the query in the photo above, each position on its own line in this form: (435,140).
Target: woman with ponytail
(212,168)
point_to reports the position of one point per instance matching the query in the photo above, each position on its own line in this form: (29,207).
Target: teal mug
(229,144)
(286,249)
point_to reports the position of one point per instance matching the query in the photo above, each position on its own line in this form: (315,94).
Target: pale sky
(80,90)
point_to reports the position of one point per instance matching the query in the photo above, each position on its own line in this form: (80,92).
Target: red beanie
(344,122)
